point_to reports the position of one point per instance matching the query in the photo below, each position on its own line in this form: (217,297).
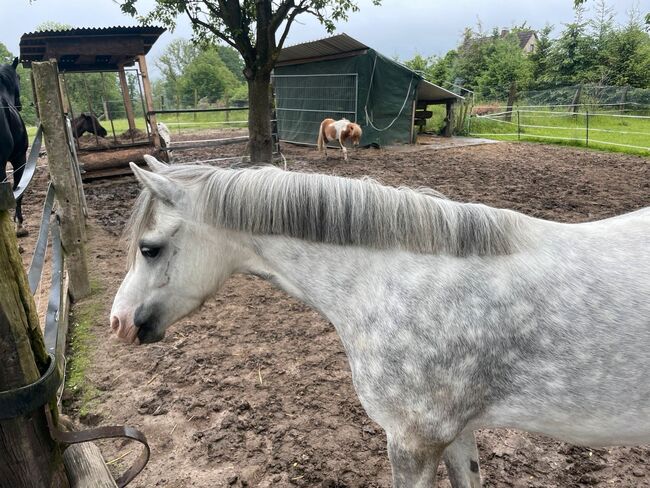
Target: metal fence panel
(303,101)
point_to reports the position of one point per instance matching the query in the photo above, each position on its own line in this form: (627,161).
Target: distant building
(527,39)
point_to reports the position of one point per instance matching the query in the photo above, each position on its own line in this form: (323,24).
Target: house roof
(524,37)
(89,48)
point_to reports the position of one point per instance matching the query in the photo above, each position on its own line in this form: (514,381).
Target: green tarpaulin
(366,88)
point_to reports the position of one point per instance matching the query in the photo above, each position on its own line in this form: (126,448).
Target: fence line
(575,105)
(586,129)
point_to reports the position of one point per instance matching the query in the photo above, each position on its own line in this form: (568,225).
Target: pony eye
(150,251)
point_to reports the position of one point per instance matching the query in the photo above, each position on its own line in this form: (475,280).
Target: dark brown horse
(13,134)
(87,123)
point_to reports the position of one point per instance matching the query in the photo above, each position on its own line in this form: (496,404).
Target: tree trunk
(259,118)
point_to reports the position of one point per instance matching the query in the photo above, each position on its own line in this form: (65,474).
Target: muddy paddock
(254,389)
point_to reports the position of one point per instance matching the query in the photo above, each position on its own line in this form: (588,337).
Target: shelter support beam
(449,127)
(126,96)
(148,99)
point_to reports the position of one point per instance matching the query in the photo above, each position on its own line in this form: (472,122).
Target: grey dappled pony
(454,316)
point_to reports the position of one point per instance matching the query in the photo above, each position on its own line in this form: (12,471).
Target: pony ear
(154,165)
(14,65)
(162,187)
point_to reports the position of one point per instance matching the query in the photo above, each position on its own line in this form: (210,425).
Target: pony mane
(335,210)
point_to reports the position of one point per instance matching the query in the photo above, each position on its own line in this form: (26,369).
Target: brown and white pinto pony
(339,130)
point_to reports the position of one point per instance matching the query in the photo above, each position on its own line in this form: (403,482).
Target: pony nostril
(115,322)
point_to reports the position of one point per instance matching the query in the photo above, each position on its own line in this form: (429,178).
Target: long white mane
(335,210)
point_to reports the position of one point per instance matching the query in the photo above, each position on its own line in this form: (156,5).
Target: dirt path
(254,389)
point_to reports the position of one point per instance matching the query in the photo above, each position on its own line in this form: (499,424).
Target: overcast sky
(396,28)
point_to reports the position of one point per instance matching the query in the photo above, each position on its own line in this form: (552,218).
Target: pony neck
(311,272)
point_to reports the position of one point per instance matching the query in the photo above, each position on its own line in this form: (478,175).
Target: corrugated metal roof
(95,31)
(330,46)
(89,48)
(431,93)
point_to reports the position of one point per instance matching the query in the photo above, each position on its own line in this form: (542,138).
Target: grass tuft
(83,317)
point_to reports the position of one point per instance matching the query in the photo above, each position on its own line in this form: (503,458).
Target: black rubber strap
(30,165)
(36,266)
(26,399)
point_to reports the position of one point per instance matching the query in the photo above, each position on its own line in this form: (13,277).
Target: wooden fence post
(29,458)
(60,161)
(449,110)
(512,96)
(575,103)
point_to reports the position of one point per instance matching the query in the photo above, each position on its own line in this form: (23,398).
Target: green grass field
(178,122)
(609,132)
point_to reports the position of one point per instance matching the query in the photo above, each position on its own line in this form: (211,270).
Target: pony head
(170,275)
(88,123)
(10,79)
(355,133)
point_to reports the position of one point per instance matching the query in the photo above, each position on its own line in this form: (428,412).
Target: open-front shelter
(109,49)
(342,77)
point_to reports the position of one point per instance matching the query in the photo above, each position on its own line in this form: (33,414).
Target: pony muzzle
(146,321)
(124,332)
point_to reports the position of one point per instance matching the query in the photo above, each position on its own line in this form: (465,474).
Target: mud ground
(254,389)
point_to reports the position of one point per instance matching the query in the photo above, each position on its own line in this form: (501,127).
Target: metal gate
(303,101)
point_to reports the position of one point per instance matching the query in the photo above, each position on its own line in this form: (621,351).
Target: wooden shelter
(109,49)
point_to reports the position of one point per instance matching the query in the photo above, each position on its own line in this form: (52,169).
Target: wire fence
(603,128)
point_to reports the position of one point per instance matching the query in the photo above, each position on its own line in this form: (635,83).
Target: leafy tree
(420,63)
(178,67)
(178,55)
(232,60)
(573,54)
(595,50)
(435,69)
(51,25)
(540,58)
(442,68)
(208,76)
(628,56)
(257,29)
(646,18)
(5,55)
(473,54)
(505,64)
